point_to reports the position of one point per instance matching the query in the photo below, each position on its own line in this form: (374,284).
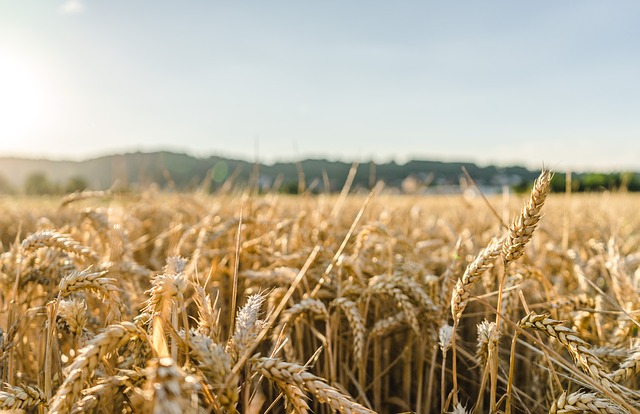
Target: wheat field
(265,303)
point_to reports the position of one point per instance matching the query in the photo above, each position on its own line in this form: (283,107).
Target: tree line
(591,182)
(38,183)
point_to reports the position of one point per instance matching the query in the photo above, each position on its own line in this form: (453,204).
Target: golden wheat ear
(88,359)
(523,226)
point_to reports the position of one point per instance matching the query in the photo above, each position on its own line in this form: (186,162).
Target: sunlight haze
(489,82)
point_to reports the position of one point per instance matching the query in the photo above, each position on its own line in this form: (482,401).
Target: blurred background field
(392,258)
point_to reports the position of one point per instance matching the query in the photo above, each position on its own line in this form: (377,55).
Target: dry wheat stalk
(445,336)
(83,366)
(611,354)
(582,402)
(277,370)
(352,290)
(210,357)
(295,398)
(165,288)
(523,226)
(510,297)
(98,219)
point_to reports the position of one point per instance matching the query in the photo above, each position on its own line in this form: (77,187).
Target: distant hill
(185,172)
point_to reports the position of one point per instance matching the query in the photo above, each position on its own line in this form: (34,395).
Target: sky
(492,82)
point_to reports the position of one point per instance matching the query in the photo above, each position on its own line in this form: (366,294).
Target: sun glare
(22,105)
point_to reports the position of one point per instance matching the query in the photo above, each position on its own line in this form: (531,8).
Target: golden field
(195,303)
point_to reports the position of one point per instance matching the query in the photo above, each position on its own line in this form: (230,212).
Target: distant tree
(559,183)
(634,182)
(289,188)
(38,184)
(597,182)
(76,183)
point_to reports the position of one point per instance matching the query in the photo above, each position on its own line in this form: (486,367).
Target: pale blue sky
(486,81)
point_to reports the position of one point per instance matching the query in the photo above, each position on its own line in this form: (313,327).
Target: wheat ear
(278,370)
(523,226)
(247,325)
(483,262)
(82,368)
(570,339)
(385,286)
(165,380)
(389,324)
(72,318)
(59,241)
(86,280)
(21,398)
(458,409)
(582,402)
(95,282)
(166,289)
(285,324)
(103,391)
(357,324)
(215,364)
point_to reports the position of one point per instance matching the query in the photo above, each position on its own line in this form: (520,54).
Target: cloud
(72,7)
